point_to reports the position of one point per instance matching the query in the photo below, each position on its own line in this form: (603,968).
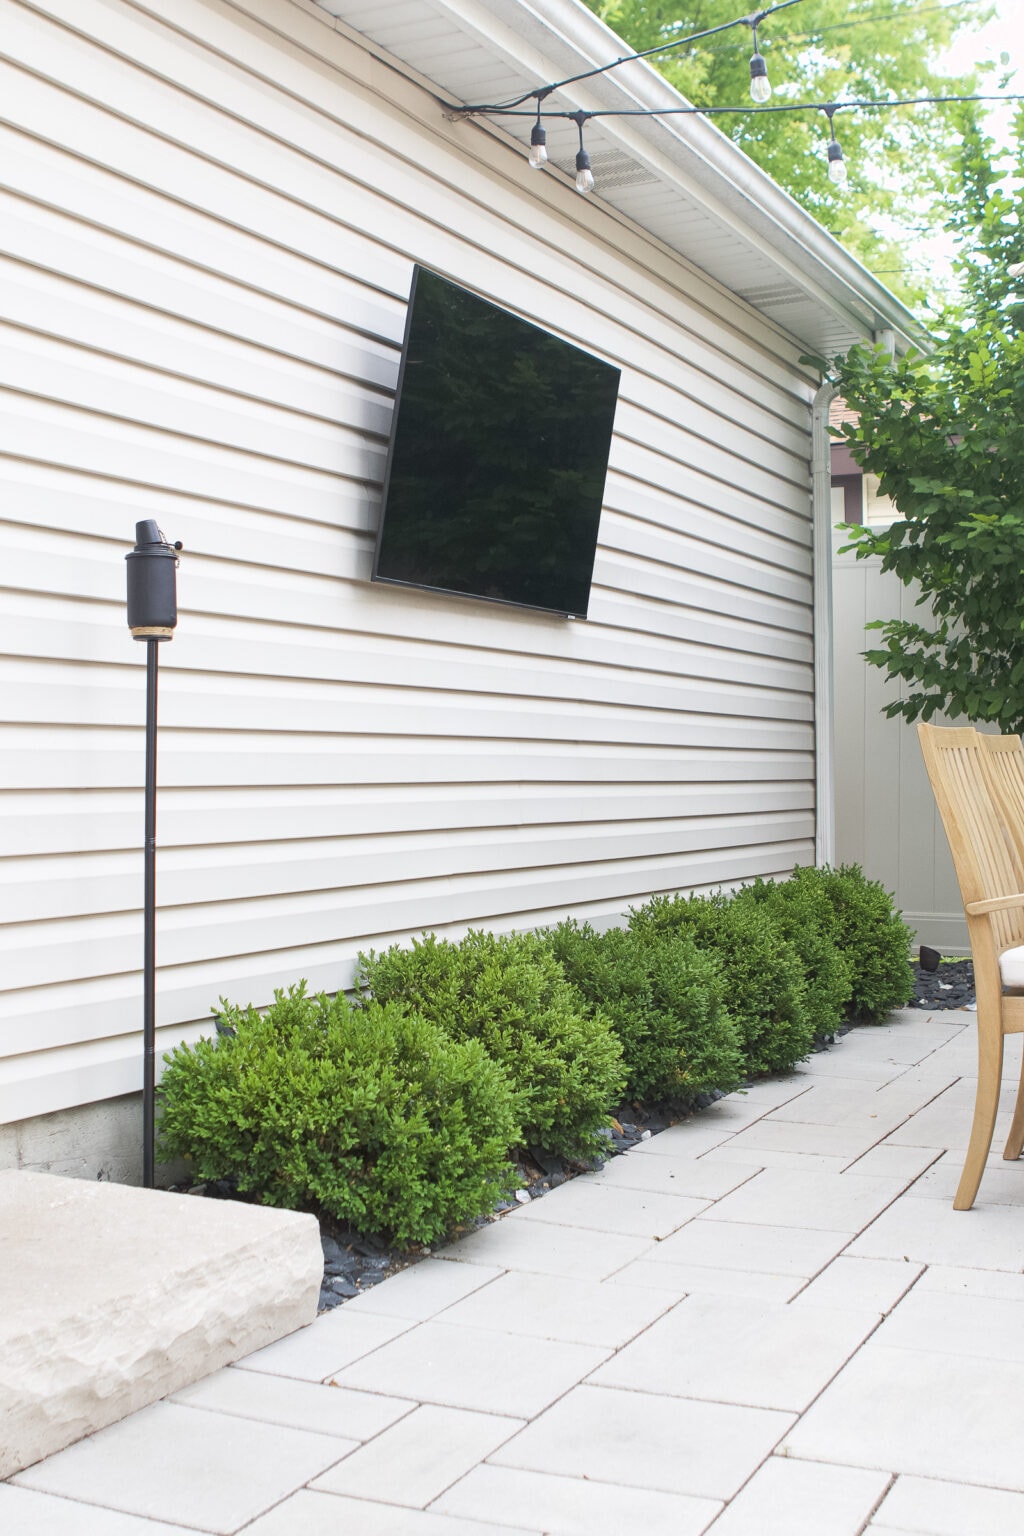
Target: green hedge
(798,913)
(764,979)
(665,1001)
(397,1112)
(371,1114)
(508,992)
(859,917)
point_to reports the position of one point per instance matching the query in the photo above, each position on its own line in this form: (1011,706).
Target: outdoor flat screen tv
(498,455)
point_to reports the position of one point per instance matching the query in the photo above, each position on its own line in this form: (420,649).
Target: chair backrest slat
(1003,757)
(976,816)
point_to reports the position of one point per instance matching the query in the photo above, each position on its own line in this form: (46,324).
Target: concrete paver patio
(767,1321)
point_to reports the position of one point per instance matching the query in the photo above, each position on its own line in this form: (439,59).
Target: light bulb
(584,175)
(538,147)
(836,165)
(760,85)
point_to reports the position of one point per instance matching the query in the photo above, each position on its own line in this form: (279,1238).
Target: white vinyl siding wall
(209,213)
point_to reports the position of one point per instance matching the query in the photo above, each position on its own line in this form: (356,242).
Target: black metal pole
(149,934)
(152,615)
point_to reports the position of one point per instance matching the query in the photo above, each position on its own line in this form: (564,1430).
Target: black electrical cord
(753,20)
(795,106)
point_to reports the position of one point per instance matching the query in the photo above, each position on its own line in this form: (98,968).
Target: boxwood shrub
(764,978)
(665,1001)
(369,1113)
(863,923)
(508,992)
(795,907)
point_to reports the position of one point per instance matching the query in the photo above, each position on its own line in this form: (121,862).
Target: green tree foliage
(508,992)
(899,159)
(985,222)
(945,435)
(371,1114)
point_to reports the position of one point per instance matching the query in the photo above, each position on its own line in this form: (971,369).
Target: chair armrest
(994,904)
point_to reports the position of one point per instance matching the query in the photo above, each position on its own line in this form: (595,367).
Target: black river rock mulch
(950,985)
(353,1263)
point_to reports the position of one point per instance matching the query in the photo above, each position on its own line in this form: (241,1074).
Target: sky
(1004,34)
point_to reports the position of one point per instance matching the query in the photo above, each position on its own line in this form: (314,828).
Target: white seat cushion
(1011,967)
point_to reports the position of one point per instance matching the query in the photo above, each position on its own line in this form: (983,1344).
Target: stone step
(111,1297)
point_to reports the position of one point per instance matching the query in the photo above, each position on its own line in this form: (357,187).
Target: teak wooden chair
(964,775)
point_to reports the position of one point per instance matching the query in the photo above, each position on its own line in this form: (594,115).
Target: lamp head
(152,594)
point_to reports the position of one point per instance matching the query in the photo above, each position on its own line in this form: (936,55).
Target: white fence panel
(886,818)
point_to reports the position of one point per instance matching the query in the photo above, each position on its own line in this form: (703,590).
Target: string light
(828,107)
(538,143)
(584,175)
(760,85)
(836,163)
(760,91)
(753,20)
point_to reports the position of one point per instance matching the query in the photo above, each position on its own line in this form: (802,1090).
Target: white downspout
(824,686)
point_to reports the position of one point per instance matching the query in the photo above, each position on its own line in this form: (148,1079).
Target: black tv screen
(498,455)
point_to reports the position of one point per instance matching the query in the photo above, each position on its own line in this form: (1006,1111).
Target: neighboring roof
(678,178)
(838,414)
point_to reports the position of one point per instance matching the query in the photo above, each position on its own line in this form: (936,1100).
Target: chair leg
(990,1072)
(1015,1140)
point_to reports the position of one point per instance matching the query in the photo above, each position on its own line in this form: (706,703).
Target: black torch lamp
(152,615)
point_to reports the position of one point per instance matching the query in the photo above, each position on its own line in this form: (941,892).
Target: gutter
(824,668)
(739,192)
